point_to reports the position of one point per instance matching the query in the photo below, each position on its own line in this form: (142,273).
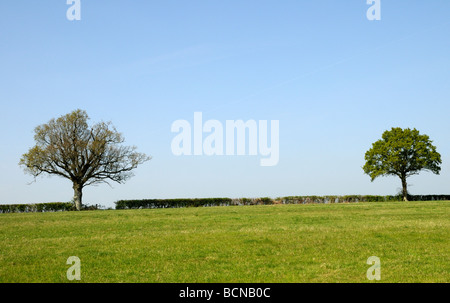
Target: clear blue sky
(333,79)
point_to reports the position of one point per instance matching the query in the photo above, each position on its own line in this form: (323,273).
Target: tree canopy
(402,153)
(68,147)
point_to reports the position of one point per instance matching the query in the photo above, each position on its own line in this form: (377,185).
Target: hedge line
(171,203)
(176,203)
(40,207)
(358,198)
(43,207)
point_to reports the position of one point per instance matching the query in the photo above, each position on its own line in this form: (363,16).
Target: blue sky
(333,79)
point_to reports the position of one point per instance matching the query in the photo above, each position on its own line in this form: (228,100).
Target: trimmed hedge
(39,207)
(358,198)
(43,207)
(177,203)
(339,199)
(171,203)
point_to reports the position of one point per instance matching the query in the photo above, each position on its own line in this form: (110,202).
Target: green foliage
(171,203)
(402,153)
(207,202)
(177,203)
(40,207)
(44,207)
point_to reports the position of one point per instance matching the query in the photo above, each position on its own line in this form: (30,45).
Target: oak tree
(402,153)
(70,148)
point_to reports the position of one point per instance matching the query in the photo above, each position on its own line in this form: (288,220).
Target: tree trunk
(78,195)
(404,189)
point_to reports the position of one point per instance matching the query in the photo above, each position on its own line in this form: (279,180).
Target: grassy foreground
(279,243)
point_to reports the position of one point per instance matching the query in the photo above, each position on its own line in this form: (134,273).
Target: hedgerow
(207,202)
(39,207)
(176,203)
(43,207)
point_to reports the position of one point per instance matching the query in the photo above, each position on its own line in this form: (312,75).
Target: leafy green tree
(402,153)
(68,147)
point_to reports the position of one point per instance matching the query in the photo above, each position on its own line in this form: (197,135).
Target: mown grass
(279,243)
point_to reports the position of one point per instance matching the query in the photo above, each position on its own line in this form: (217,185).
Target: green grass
(279,243)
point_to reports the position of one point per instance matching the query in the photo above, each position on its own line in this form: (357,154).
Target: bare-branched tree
(68,147)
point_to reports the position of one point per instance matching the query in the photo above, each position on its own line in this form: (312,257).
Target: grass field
(279,243)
